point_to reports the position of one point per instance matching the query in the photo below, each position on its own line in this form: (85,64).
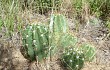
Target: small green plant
(73,58)
(35,41)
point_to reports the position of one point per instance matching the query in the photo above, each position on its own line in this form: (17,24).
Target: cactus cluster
(35,41)
(41,41)
(38,40)
(74,58)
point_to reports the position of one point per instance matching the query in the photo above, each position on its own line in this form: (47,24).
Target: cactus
(62,38)
(36,38)
(89,51)
(41,41)
(74,59)
(58,28)
(35,41)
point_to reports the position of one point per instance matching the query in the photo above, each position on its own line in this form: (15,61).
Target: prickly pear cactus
(73,59)
(35,41)
(89,51)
